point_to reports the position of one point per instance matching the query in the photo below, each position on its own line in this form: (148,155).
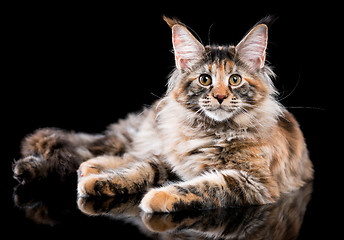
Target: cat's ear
(186,47)
(252,47)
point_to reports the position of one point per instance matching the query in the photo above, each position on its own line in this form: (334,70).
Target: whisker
(192,117)
(267,112)
(296,85)
(244,111)
(314,108)
(251,116)
(155,95)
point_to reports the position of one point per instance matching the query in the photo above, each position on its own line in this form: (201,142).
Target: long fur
(201,146)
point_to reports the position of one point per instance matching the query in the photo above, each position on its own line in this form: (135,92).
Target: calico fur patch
(217,138)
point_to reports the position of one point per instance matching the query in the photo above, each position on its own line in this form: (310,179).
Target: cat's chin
(219,115)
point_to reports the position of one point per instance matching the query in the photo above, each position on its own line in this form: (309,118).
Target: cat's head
(223,83)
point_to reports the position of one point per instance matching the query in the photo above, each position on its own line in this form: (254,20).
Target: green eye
(205,80)
(235,80)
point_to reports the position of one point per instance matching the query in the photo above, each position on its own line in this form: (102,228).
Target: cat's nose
(220,98)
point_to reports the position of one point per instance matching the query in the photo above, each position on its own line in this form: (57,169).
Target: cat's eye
(235,80)
(205,79)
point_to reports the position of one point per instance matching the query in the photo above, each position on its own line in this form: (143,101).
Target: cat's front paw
(87,168)
(159,201)
(101,185)
(95,185)
(27,169)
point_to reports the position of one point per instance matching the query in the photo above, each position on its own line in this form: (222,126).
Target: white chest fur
(188,149)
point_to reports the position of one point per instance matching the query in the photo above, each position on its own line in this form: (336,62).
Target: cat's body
(218,130)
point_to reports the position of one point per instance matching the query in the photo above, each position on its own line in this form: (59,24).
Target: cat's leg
(211,190)
(135,177)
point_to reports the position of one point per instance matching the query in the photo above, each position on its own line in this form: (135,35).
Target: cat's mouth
(220,113)
(221,108)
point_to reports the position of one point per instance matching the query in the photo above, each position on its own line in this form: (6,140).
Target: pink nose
(220,98)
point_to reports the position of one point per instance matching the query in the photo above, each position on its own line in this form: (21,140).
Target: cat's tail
(52,152)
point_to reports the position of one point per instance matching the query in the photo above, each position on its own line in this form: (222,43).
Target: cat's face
(220,88)
(221,82)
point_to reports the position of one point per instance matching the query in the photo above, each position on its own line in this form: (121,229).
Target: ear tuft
(186,47)
(171,21)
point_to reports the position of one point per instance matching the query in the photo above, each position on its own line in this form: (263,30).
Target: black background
(83,66)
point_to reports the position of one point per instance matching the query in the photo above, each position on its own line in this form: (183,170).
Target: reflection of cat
(43,204)
(281,220)
(219,130)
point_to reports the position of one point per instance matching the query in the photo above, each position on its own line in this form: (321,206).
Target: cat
(217,138)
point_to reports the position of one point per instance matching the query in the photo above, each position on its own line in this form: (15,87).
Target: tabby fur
(217,138)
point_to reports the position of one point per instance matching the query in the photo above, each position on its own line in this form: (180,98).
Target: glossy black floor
(53,209)
(82,67)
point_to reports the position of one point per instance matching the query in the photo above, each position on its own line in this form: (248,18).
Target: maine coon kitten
(218,130)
